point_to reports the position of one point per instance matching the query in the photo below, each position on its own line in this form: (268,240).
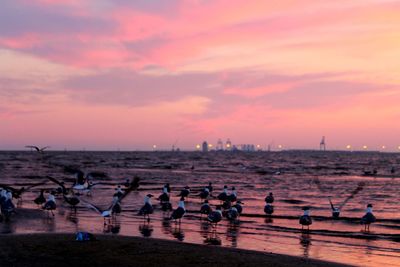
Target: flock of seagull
(229,207)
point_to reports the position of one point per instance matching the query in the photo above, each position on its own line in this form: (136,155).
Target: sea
(296,178)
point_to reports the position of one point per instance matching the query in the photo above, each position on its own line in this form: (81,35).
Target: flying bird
(38,149)
(114,208)
(17,193)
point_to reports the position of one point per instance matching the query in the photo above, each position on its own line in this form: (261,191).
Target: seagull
(167,187)
(238,206)
(164,197)
(184,192)
(114,208)
(118,192)
(233,196)
(147,208)
(3,195)
(164,200)
(135,183)
(335,211)
(205,193)
(368,218)
(17,193)
(232,214)
(84,188)
(107,213)
(40,200)
(305,219)
(205,208)
(7,206)
(62,189)
(50,204)
(224,195)
(215,217)
(270,198)
(178,213)
(210,187)
(38,149)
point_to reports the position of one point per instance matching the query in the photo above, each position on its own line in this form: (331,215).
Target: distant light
(398,147)
(365,147)
(280,146)
(348,146)
(198,146)
(154,146)
(383,147)
(228,145)
(210,145)
(258,146)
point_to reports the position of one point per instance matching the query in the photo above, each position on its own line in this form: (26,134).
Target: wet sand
(62,250)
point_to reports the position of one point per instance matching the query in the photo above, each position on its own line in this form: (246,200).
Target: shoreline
(62,250)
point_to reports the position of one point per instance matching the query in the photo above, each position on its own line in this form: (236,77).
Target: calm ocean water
(297,179)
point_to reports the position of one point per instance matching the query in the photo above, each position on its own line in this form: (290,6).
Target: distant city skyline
(112,74)
(213,146)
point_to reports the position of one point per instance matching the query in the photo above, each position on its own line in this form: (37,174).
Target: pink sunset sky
(124,74)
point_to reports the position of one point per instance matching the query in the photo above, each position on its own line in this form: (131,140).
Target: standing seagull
(368,218)
(305,219)
(180,211)
(215,217)
(147,208)
(7,206)
(232,214)
(270,198)
(233,196)
(184,192)
(205,193)
(164,200)
(205,208)
(238,206)
(50,204)
(224,195)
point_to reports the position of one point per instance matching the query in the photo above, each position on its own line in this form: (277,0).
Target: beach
(62,250)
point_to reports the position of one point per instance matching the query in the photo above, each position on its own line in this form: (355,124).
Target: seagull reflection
(113,227)
(178,233)
(166,225)
(49,224)
(72,216)
(269,220)
(146,229)
(7,228)
(305,242)
(213,239)
(232,234)
(204,228)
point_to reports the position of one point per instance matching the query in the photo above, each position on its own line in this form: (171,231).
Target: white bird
(114,208)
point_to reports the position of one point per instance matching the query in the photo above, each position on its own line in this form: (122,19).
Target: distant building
(322,144)
(228,145)
(220,145)
(205,146)
(248,147)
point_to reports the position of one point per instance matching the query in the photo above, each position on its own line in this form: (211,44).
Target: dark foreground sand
(62,250)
